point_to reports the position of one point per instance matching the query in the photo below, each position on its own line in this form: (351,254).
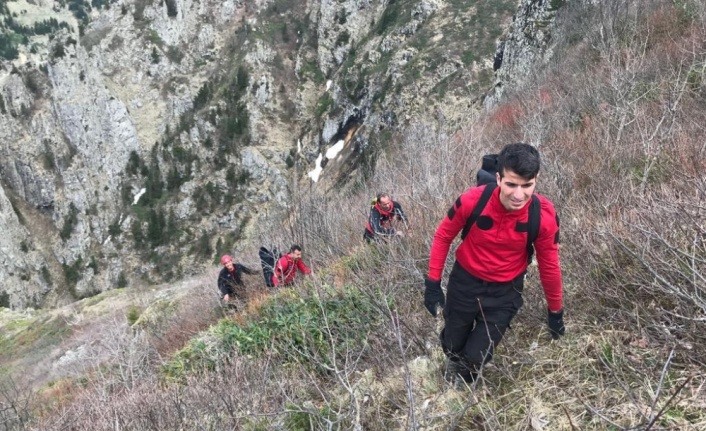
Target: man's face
(386,203)
(229,266)
(296,254)
(515,191)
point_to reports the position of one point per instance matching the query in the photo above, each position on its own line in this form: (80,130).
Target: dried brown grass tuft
(620,125)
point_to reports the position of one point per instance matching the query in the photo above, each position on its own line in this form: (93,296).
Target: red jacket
(499,254)
(286,269)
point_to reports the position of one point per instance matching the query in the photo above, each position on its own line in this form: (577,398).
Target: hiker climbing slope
(382,213)
(484,290)
(230,279)
(287,267)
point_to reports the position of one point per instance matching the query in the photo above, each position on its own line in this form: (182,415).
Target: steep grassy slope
(618,115)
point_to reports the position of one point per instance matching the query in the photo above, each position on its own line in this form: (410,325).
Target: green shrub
(122,280)
(323,105)
(133,163)
(156,224)
(242,77)
(33,84)
(155,55)
(203,246)
(311,70)
(298,419)
(468,57)
(93,264)
(343,38)
(174,179)
(58,51)
(48,161)
(133,313)
(175,54)
(69,222)
(8,48)
(46,275)
(318,325)
(389,17)
(202,97)
(114,228)
(556,4)
(138,236)
(72,273)
(236,124)
(154,186)
(153,37)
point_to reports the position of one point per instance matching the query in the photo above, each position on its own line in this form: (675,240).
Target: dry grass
(620,127)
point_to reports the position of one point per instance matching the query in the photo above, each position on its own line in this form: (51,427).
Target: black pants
(476,316)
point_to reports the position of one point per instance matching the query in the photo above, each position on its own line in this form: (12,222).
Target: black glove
(556,323)
(433,295)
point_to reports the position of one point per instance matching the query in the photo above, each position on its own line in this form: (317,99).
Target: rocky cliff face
(527,44)
(143,138)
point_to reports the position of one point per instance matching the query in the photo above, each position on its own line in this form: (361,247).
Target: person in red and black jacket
(230,279)
(382,213)
(287,266)
(484,290)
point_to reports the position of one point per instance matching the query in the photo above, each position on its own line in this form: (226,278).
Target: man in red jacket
(287,267)
(485,285)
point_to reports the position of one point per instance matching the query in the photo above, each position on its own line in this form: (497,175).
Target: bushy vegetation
(618,117)
(72,274)
(8,47)
(235,123)
(13,33)
(70,222)
(155,224)
(312,329)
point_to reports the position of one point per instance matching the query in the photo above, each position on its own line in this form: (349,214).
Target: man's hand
(433,295)
(555,321)
(226,298)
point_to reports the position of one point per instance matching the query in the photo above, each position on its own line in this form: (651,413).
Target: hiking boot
(452,371)
(465,381)
(459,376)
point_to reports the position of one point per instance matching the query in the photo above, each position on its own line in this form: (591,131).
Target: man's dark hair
(520,158)
(382,195)
(294,248)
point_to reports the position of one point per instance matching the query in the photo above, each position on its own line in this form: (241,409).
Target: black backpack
(268,259)
(486,176)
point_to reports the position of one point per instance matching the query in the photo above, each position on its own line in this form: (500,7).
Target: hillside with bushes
(616,104)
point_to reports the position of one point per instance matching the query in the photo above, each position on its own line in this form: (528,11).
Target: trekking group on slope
(503,224)
(282,273)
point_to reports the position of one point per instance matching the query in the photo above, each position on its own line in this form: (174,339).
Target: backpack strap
(484,198)
(533,221)
(533,228)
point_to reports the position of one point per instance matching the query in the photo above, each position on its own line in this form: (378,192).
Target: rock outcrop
(140,139)
(527,44)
